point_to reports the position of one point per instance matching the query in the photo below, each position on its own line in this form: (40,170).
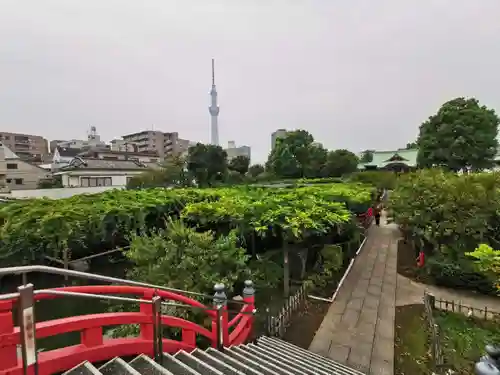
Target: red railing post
(249,299)
(189,337)
(8,350)
(92,337)
(220,325)
(145,308)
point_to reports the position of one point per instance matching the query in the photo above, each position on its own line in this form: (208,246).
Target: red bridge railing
(94,346)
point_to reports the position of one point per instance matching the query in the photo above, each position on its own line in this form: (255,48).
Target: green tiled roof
(383,158)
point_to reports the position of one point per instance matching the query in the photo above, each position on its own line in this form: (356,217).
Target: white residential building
(233,151)
(100,172)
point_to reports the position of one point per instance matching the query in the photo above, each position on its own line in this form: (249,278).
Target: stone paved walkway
(410,292)
(358,329)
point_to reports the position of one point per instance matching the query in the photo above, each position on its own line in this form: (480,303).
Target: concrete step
(118,366)
(265,360)
(268,356)
(323,363)
(285,357)
(216,363)
(175,366)
(197,364)
(232,362)
(145,365)
(250,362)
(85,368)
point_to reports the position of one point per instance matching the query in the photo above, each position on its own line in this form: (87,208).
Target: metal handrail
(90,276)
(91,295)
(9,296)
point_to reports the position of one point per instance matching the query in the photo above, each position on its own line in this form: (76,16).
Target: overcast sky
(356,74)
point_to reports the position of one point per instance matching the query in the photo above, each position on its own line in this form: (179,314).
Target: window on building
(11,166)
(9,180)
(19,181)
(129,179)
(95,181)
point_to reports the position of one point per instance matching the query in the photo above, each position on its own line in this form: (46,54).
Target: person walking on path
(377,211)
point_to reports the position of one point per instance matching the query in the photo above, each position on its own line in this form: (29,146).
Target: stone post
(220,326)
(249,299)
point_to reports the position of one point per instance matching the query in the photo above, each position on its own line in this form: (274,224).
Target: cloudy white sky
(357,74)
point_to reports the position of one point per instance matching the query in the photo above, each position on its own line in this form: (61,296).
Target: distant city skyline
(356,75)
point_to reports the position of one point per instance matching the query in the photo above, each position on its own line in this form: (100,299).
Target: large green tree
(460,136)
(207,163)
(296,155)
(256,170)
(366,156)
(171,173)
(239,164)
(340,162)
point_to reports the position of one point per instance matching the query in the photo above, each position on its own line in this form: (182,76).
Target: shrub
(451,213)
(89,224)
(459,275)
(378,179)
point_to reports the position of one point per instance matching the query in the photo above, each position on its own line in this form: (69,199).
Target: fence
(277,325)
(435,342)
(469,311)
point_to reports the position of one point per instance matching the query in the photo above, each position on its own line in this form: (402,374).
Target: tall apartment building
(280,133)
(166,144)
(26,146)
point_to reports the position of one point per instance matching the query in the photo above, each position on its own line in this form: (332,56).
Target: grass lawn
(463,339)
(411,345)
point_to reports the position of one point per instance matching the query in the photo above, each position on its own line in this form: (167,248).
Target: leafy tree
(256,170)
(296,156)
(239,164)
(488,261)
(166,256)
(207,163)
(460,136)
(317,161)
(340,162)
(366,156)
(411,145)
(173,172)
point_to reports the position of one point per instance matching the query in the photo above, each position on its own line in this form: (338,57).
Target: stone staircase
(268,356)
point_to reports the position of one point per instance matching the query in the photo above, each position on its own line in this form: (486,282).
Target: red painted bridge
(94,346)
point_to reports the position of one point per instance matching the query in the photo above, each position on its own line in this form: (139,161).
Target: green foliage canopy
(239,164)
(460,136)
(296,156)
(207,163)
(446,212)
(172,172)
(340,162)
(256,170)
(89,224)
(366,156)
